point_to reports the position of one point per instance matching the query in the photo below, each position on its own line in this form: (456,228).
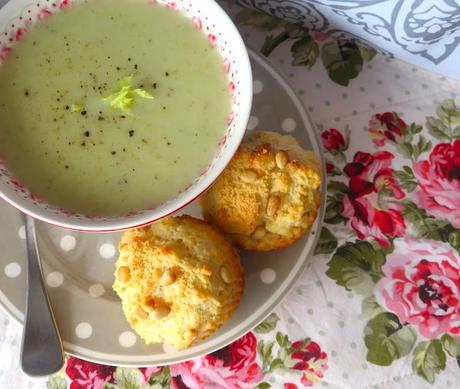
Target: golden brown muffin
(268,196)
(178,279)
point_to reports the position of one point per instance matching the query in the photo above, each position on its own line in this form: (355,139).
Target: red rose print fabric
(310,360)
(371,184)
(88,375)
(333,140)
(386,126)
(406,217)
(233,366)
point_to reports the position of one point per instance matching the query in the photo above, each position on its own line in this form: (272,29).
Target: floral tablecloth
(380,305)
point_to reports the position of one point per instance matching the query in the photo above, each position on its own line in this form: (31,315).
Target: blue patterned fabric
(423,32)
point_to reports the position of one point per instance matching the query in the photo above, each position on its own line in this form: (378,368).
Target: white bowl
(17,15)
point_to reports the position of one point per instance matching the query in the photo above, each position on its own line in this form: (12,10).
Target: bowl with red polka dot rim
(16,17)
(78,266)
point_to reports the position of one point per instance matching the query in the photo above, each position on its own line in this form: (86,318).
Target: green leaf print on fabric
(387,339)
(451,345)
(277,363)
(337,186)
(305,51)
(127,378)
(161,379)
(282,340)
(454,239)
(446,126)
(356,266)
(406,178)
(424,225)
(409,146)
(370,307)
(334,204)
(258,20)
(367,53)
(263,385)
(429,359)
(429,227)
(327,242)
(343,60)
(56,382)
(268,324)
(265,351)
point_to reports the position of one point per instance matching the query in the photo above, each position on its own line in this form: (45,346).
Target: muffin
(268,196)
(178,279)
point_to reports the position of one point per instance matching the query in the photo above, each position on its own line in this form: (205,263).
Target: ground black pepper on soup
(111,106)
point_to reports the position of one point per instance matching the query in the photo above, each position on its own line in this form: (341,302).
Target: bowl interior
(15,19)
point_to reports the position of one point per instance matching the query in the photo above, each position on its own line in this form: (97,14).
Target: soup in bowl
(116,113)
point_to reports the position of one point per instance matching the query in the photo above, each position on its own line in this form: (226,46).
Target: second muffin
(178,279)
(268,196)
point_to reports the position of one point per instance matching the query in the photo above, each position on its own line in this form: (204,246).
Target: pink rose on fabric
(422,286)
(310,360)
(233,367)
(439,182)
(387,125)
(372,182)
(88,375)
(148,371)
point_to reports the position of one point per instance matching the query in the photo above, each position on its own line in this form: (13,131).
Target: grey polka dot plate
(78,267)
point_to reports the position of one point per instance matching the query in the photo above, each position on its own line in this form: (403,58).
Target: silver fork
(41,352)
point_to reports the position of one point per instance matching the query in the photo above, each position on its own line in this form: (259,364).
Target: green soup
(62,131)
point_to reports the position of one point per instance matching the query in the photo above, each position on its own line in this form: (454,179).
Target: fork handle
(41,352)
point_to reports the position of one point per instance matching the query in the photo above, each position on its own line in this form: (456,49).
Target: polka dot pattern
(22,232)
(107,250)
(288,125)
(84,330)
(253,122)
(68,242)
(257,87)
(96,290)
(55,279)
(268,276)
(127,339)
(13,270)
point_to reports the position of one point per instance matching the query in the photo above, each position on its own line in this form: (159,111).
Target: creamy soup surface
(111,106)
